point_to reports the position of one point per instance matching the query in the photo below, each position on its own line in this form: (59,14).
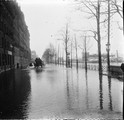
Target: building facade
(14,36)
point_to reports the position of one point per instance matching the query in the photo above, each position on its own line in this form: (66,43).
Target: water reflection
(72,93)
(110,97)
(77,89)
(87,99)
(72,88)
(68,91)
(100,92)
(15,91)
(38,70)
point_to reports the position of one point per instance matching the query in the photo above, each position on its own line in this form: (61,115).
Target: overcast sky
(46,18)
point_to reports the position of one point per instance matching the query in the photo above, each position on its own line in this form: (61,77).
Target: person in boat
(38,62)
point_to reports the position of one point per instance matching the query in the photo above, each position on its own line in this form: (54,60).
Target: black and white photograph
(61,59)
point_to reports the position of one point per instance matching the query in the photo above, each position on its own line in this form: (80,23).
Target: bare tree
(85,47)
(49,54)
(117,8)
(85,51)
(58,54)
(94,11)
(71,53)
(76,48)
(66,45)
(65,39)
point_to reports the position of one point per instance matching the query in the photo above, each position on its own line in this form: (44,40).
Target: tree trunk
(108,44)
(76,53)
(71,54)
(63,57)
(66,56)
(99,38)
(66,41)
(85,50)
(58,54)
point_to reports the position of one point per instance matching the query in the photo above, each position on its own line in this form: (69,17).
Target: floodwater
(57,92)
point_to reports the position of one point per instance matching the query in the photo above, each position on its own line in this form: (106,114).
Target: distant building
(14,36)
(94,58)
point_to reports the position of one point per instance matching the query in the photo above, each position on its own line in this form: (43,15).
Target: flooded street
(59,92)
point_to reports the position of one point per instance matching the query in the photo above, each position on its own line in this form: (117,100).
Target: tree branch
(95,34)
(89,8)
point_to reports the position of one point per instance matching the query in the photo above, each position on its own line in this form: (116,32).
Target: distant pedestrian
(17,65)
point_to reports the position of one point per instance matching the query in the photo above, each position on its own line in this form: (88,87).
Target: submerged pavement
(59,92)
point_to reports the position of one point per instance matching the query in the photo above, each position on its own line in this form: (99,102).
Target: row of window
(6,13)
(5,44)
(6,29)
(7,26)
(6,59)
(5,17)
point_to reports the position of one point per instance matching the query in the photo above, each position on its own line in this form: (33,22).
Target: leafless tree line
(94,9)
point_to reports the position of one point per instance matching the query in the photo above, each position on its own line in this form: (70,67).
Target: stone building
(14,36)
